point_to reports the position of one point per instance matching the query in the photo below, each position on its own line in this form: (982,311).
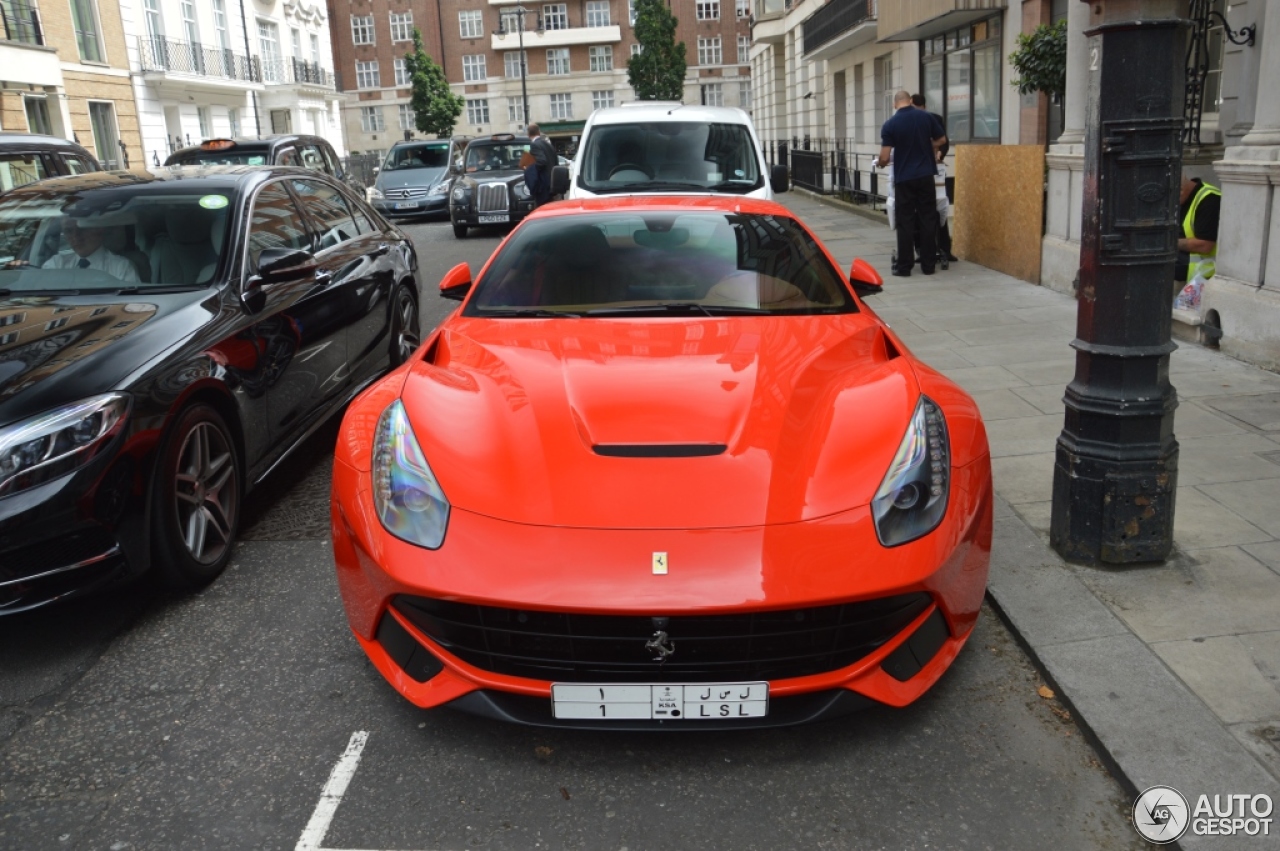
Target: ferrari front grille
(491,198)
(573,647)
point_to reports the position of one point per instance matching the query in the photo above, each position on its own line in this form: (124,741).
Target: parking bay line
(313,834)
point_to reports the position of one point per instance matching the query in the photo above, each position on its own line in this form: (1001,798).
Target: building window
(106,136)
(597,13)
(558,61)
(555,16)
(155,23)
(189,25)
(402,26)
(269,44)
(478,111)
(84,17)
(511,63)
(362,29)
(601,100)
(406,117)
(295,36)
(37,109)
(367,75)
(631,12)
(470,24)
(562,106)
(402,73)
(202,118)
(744,49)
(601,58)
(708,51)
(220,24)
(233,120)
(515,111)
(713,94)
(961,72)
(473,68)
(883,82)
(637,49)
(315,48)
(744,94)
(708,10)
(371,119)
(742,8)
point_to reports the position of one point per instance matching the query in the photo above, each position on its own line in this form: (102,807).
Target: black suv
(313,152)
(488,188)
(28,157)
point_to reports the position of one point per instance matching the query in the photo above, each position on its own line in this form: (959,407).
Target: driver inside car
(89,252)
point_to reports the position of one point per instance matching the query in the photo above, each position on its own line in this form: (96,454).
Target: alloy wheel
(206,492)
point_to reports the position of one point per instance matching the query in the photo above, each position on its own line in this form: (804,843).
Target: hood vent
(659,450)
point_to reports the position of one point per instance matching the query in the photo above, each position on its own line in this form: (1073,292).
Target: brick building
(575,52)
(64,70)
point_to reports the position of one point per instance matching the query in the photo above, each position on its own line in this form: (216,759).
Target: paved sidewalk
(1174,668)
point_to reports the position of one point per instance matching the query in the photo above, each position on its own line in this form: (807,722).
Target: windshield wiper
(146,290)
(651,185)
(679,307)
(534,312)
(743,185)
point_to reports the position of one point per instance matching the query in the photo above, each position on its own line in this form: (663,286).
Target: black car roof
(267,143)
(220,177)
(38,141)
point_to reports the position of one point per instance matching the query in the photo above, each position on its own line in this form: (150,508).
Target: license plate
(495,220)
(661,701)
(406,205)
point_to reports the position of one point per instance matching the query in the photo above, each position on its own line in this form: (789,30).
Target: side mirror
(284,264)
(456,283)
(865,279)
(779,180)
(559,179)
(455,168)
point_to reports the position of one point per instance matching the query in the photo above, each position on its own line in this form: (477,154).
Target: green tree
(435,107)
(657,71)
(1041,61)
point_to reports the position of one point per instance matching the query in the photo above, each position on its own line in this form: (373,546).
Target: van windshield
(666,156)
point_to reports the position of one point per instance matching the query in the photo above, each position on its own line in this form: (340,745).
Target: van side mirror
(456,283)
(559,180)
(864,278)
(779,180)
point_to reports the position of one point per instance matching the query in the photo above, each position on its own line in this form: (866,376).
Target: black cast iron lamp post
(519,11)
(1116,468)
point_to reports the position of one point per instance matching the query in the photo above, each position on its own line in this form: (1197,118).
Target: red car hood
(513,416)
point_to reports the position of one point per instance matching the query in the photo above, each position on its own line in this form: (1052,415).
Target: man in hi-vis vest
(1201,205)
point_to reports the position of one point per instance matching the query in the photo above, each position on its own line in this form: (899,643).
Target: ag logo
(1161,814)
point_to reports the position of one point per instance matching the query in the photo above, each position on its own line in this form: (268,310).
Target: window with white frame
(371,119)
(742,8)
(202,119)
(367,75)
(597,13)
(473,68)
(189,25)
(106,134)
(562,106)
(315,48)
(402,26)
(601,58)
(269,44)
(402,73)
(744,94)
(233,119)
(406,117)
(220,25)
(362,29)
(511,63)
(709,50)
(558,60)
(295,36)
(478,111)
(637,49)
(601,100)
(84,18)
(515,111)
(708,10)
(744,49)
(712,94)
(555,16)
(470,23)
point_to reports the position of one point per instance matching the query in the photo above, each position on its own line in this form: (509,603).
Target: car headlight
(913,496)
(406,494)
(56,442)
(376,194)
(522,191)
(460,193)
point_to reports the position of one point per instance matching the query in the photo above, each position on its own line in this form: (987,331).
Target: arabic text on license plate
(493,220)
(661,701)
(406,205)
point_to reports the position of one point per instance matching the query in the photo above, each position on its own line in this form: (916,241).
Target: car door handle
(382,249)
(323,277)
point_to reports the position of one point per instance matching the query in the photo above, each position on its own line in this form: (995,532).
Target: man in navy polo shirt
(914,137)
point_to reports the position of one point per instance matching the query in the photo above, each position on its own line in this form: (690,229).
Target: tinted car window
(702,262)
(313,159)
(78,165)
(625,157)
(494,157)
(330,210)
(275,223)
(416,156)
(21,169)
(222,158)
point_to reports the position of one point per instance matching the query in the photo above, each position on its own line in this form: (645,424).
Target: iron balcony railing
(21,22)
(835,19)
(167,54)
(284,71)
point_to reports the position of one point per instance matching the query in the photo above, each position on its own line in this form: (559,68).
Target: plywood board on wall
(999,214)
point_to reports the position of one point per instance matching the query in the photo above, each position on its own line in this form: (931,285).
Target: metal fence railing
(290,70)
(168,54)
(20,22)
(361,167)
(830,167)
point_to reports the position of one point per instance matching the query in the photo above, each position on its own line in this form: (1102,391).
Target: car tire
(195,500)
(460,231)
(406,328)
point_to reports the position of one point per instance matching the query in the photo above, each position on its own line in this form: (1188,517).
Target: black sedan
(166,338)
(489,187)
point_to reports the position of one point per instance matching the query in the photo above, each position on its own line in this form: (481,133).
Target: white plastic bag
(1189,297)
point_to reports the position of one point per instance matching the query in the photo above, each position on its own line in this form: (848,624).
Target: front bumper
(467,215)
(820,563)
(422,206)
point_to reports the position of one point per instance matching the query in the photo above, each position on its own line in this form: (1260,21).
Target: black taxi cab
(488,186)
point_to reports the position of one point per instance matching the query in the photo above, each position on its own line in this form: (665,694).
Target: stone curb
(857,209)
(1147,725)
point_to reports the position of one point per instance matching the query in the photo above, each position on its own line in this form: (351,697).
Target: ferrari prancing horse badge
(659,564)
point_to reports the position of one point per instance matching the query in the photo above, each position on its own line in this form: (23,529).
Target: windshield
(220,158)
(491,157)
(417,156)
(698,263)
(667,155)
(107,238)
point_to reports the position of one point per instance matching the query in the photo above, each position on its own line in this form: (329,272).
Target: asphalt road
(133,721)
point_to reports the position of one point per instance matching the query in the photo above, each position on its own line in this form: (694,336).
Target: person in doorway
(944,204)
(1200,207)
(89,252)
(913,137)
(544,159)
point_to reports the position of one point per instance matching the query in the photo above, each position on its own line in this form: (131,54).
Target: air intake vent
(659,450)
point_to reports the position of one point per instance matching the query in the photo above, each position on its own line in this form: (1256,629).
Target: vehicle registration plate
(661,701)
(495,219)
(406,205)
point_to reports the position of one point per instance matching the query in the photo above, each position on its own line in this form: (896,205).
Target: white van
(664,147)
